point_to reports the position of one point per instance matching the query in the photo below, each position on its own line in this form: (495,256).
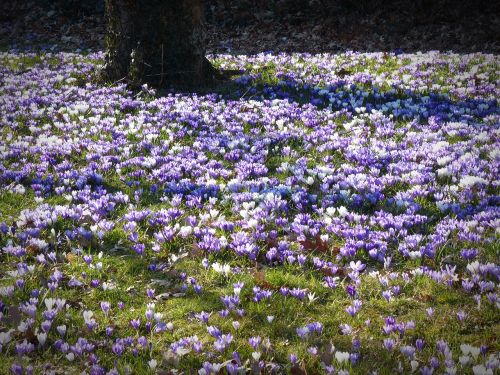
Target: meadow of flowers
(319,214)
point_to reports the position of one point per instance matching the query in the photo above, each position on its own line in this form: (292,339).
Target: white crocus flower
(87,315)
(469,349)
(42,337)
(468,181)
(5,337)
(152,364)
(185,231)
(342,211)
(464,360)
(225,268)
(311,297)
(414,365)
(481,370)
(49,303)
(342,356)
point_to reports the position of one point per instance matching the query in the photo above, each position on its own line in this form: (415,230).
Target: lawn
(316,214)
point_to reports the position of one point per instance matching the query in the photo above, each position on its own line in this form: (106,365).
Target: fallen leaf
(260,280)
(32,249)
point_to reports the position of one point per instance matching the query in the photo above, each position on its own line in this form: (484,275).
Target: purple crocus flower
(105,307)
(254,342)
(389,344)
(135,323)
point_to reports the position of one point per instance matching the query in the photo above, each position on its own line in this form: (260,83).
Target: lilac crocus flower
(135,323)
(105,307)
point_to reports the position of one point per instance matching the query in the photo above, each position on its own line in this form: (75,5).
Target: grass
(128,275)
(131,271)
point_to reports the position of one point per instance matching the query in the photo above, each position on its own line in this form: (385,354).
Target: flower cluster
(357,176)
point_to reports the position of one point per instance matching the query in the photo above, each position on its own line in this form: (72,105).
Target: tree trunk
(159,42)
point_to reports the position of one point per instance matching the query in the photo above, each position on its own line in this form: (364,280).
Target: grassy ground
(125,277)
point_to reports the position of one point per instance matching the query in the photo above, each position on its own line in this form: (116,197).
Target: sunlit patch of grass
(11,204)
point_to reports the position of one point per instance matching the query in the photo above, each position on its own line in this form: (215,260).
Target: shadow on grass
(341,95)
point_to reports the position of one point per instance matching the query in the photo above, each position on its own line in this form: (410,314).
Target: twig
(170,73)
(115,82)
(242,96)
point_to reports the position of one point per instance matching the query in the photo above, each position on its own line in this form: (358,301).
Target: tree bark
(159,42)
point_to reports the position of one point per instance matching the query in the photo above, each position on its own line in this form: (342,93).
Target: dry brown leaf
(315,244)
(259,278)
(297,370)
(32,249)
